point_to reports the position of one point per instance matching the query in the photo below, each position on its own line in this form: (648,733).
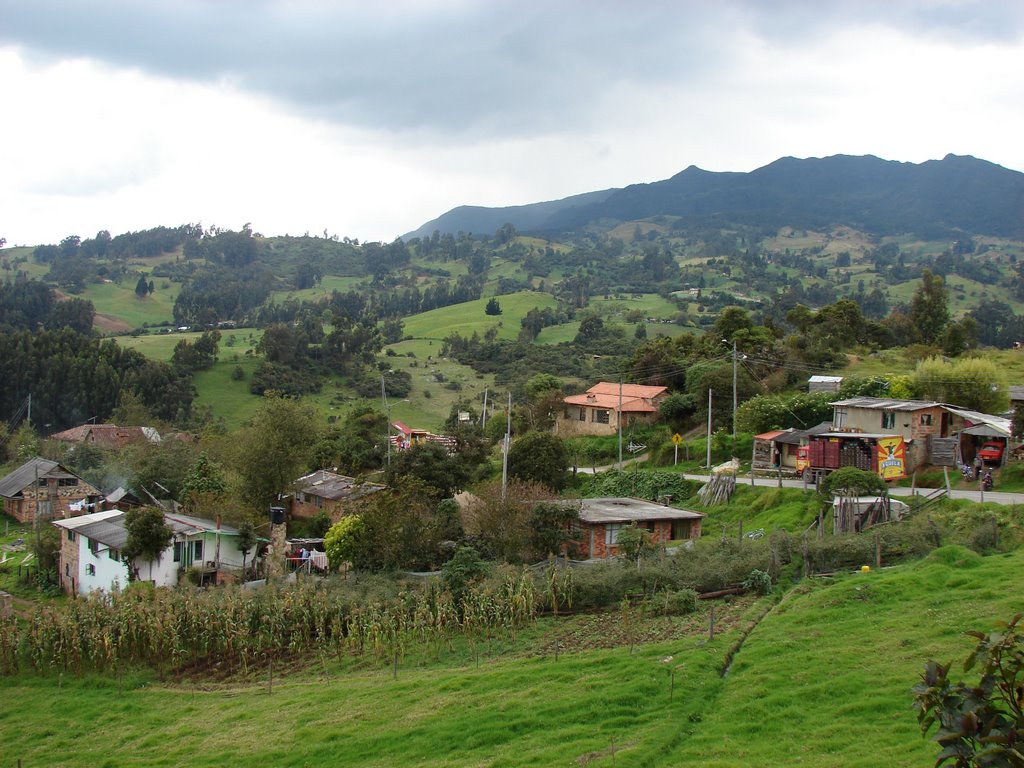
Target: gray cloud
(465,70)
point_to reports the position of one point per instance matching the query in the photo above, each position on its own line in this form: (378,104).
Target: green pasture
(446,381)
(160,346)
(822,679)
(19,259)
(118,301)
(470,316)
(321,291)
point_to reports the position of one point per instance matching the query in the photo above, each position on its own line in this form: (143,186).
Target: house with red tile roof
(600,409)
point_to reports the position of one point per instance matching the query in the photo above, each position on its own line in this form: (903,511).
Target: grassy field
(822,680)
(323,290)
(469,317)
(119,302)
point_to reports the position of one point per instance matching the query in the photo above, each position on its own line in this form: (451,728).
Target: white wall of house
(97,570)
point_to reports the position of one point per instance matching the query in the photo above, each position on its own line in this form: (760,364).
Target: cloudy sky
(367,119)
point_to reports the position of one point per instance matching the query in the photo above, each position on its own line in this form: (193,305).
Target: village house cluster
(887,436)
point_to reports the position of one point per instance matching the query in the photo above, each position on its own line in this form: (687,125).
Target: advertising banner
(892,458)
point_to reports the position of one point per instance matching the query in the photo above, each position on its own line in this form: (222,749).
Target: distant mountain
(479,220)
(934,199)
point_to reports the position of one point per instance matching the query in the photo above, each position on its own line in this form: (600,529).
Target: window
(611,533)
(114,554)
(90,570)
(197,552)
(94,546)
(602,417)
(71,535)
(840,419)
(926,420)
(177,551)
(888,419)
(67,569)
(583,414)
(67,482)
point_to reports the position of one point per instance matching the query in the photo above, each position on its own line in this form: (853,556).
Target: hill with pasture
(934,199)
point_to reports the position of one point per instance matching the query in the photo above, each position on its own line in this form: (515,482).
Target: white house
(90,554)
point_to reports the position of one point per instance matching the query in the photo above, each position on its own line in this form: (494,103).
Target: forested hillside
(768,260)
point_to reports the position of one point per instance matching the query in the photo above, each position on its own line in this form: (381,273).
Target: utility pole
(387,415)
(620,423)
(483,416)
(504,451)
(709,428)
(734,397)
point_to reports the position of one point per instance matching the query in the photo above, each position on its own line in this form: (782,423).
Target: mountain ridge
(935,198)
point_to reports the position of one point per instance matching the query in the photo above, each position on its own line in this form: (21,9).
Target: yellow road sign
(677,438)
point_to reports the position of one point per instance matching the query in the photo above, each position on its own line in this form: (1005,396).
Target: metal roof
(26,474)
(998,423)
(74,523)
(886,404)
(629,510)
(825,379)
(1016,393)
(330,485)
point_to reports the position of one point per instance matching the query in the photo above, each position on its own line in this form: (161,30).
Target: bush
(678,603)
(758,581)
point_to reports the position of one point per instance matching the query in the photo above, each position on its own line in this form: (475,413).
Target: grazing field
(118,301)
(470,316)
(823,679)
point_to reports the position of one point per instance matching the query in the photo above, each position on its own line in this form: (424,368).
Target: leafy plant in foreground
(978,725)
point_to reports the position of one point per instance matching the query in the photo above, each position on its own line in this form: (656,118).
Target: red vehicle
(992,452)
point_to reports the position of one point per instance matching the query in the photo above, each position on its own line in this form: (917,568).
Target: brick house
(924,425)
(601,520)
(598,411)
(327,492)
(57,491)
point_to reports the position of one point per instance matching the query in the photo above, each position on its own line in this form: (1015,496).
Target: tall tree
(148,537)
(273,452)
(929,308)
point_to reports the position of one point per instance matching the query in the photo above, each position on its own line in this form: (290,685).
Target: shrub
(678,603)
(758,581)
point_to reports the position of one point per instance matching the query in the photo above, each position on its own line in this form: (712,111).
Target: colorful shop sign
(892,458)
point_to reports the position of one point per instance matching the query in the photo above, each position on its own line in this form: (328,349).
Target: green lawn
(823,679)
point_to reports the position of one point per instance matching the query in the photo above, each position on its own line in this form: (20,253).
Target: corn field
(235,630)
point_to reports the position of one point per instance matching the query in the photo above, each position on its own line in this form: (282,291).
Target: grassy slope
(823,680)
(469,317)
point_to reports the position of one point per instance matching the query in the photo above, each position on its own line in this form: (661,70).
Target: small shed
(824,383)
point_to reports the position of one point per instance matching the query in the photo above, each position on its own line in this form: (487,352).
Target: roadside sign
(677,439)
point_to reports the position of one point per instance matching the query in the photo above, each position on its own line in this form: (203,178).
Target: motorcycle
(986,481)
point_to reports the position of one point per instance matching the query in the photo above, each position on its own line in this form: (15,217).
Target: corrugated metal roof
(109,531)
(25,475)
(74,523)
(629,510)
(997,422)
(770,435)
(330,485)
(885,404)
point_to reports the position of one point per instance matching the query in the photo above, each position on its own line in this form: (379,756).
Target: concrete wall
(108,574)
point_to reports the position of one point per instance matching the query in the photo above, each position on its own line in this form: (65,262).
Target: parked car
(992,452)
